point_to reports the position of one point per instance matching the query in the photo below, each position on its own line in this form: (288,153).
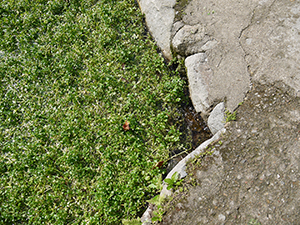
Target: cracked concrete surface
(272,43)
(243,41)
(253,174)
(256,41)
(223,22)
(251,53)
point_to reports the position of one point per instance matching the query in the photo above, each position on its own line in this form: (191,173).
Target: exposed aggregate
(253,176)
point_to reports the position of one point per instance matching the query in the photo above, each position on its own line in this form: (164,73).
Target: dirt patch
(253,175)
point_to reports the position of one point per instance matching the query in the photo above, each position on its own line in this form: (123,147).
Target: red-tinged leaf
(126,126)
(159,164)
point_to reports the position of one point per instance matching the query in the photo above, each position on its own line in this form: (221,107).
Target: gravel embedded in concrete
(254,174)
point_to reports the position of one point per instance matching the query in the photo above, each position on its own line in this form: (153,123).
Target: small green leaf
(152,186)
(155,218)
(169,187)
(155,200)
(169,181)
(175,176)
(178,183)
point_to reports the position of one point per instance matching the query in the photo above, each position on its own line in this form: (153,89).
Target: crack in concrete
(250,52)
(250,73)
(219,61)
(248,25)
(176,30)
(252,18)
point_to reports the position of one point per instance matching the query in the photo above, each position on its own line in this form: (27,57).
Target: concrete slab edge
(159,17)
(180,168)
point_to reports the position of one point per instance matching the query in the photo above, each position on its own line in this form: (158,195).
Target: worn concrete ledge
(180,168)
(159,19)
(229,46)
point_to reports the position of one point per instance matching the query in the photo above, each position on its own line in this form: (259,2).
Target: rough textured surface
(189,39)
(223,22)
(159,18)
(216,120)
(239,49)
(243,40)
(272,43)
(255,173)
(180,168)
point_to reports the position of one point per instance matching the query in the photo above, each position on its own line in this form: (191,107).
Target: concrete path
(253,176)
(239,41)
(239,51)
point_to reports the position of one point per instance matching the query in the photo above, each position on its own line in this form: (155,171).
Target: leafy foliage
(159,210)
(173,181)
(72,74)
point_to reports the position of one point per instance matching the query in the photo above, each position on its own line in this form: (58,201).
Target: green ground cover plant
(230,116)
(173,181)
(85,108)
